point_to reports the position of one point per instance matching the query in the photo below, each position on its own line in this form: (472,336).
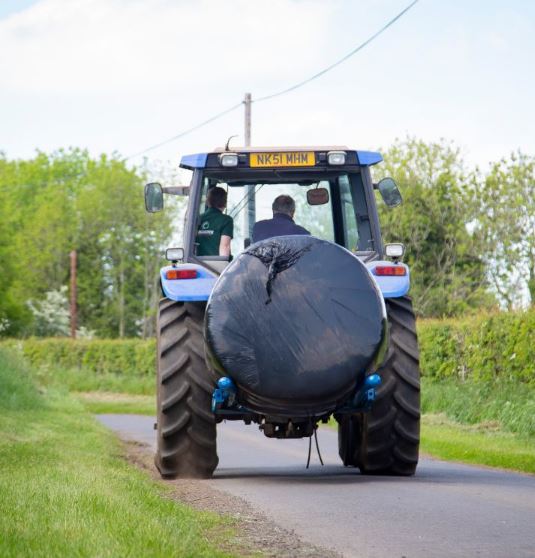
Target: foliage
(126,365)
(485,348)
(447,271)
(509,406)
(17,389)
(52,313)
(67,490)
(52,204)
(469,237)
(481,369)
(507,223)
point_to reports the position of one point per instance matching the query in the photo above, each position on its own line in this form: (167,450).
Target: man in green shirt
(215,229)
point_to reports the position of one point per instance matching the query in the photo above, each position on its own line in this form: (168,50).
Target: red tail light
(390,270)
(181,274)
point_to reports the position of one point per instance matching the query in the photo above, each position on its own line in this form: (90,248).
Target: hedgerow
(496,347)
(102,356)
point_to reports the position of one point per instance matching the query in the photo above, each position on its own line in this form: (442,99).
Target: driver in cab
(282,223)
(216,229)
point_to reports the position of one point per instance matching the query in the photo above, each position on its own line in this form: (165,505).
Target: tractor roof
(199,160)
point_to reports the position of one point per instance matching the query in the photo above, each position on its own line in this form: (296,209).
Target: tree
(507,224)
(13,312)
(435,223)
(52,313)
(67,200)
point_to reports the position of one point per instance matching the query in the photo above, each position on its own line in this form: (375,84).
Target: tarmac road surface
(445,510)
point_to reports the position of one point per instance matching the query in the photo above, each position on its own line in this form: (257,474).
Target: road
(445,510)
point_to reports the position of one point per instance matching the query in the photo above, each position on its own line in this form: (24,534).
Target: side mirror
(153,197)
(177,190)
(389,192)
(318,196)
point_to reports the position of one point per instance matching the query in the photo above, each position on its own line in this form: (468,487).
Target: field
(64,473)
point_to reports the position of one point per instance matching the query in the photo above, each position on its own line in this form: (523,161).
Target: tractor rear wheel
(385,441)
(186,428)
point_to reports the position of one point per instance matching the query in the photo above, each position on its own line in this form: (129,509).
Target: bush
(134,357)
(485,348)
(87,365)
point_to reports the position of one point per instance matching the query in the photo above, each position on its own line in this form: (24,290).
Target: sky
(122,75)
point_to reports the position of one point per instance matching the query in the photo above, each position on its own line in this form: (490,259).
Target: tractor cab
(331,186)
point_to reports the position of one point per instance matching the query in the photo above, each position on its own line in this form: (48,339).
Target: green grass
(482,444)
(485,423)
(510,405)
(67,491)
(119,403)
(86,380)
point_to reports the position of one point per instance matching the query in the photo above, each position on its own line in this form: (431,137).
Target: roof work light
(228,159)
(336,157)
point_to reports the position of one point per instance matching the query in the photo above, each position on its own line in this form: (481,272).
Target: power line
(338,62)
(185,132)
(284,91)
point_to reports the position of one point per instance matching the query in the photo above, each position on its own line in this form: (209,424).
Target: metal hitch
(365,397)
(224,395)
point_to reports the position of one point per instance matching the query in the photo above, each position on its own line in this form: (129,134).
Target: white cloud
(95,46)
(124,74)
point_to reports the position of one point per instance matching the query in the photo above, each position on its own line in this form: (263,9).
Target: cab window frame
(357,181)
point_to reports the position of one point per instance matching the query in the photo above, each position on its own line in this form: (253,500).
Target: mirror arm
(176,190)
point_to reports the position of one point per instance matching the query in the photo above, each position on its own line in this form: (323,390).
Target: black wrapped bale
(296,322)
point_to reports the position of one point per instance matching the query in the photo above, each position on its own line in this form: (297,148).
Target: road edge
(257,535)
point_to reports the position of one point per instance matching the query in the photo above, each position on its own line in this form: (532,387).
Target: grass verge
(478,444)
(85,380)
(511,405)
(475,444)
(120,403)
(67,491)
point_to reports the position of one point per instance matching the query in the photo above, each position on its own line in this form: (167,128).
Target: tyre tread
(389,435)
(186,428)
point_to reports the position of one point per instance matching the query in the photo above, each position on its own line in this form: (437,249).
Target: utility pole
(73,294)
(250,213)
(247,135)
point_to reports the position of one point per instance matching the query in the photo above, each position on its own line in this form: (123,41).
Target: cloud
(125,74)
(133,46)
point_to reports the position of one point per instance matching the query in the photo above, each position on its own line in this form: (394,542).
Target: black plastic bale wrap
(296,322)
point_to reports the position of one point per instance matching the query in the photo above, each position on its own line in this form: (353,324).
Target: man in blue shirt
(282,223)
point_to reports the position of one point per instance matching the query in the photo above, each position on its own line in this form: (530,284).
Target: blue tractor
(292,330)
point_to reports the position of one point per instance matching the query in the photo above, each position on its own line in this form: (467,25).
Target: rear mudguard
(199,289)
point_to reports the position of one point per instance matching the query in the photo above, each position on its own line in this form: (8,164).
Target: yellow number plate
(284,159)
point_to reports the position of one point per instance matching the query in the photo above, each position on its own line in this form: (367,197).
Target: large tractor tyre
(385,441)
(349,438)
(186,428)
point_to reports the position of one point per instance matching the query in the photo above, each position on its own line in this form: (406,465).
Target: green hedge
(483,348)
(130,357)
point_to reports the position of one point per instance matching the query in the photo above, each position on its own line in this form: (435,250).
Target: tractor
(291,331)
